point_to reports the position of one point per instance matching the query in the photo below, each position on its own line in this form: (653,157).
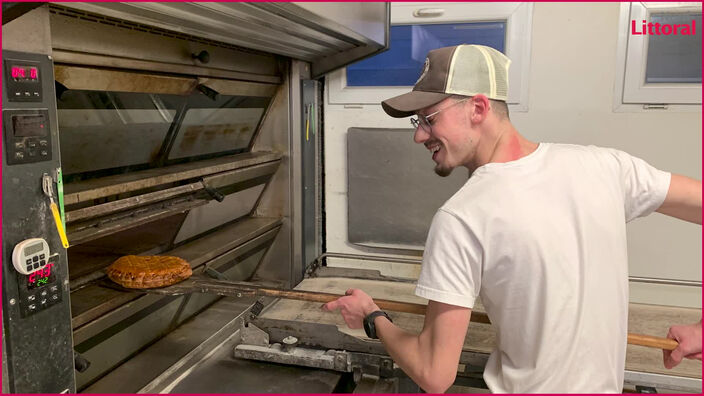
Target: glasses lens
(420,122)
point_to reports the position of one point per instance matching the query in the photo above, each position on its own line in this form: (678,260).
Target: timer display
(40,277)
(23,81)
(25,73)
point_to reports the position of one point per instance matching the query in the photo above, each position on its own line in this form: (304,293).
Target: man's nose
(420,136)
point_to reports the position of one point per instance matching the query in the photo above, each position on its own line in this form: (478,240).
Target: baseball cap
(464,69)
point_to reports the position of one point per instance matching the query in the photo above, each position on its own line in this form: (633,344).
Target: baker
(538,232)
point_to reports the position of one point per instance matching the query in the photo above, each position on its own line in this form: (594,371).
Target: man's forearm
(414,356)
(684,199)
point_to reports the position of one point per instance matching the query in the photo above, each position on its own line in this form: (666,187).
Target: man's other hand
(690,339)
(354,306)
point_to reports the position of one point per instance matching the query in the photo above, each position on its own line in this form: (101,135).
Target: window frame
(631,93)
(518,17)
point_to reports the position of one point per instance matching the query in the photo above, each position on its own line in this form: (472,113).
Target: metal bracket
(214,193)
(215,274)
(253,335)
(296,356)
(347,362)
(645,389)
(256,309)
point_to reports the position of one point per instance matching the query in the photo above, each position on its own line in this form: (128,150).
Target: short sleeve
(451,269)
(644,186)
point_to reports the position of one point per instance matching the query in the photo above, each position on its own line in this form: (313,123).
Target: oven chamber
(180,129)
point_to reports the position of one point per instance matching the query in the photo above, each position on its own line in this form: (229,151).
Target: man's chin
(443,171)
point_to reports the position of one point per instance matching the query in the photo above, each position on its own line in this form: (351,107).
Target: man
(538,232)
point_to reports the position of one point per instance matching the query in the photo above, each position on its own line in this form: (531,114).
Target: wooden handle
(413,308)
(653,342)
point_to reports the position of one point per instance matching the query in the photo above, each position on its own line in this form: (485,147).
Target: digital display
(40,277)
(36,248)
(29,125)
(25,73)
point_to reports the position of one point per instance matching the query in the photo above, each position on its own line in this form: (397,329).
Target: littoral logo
(666,29)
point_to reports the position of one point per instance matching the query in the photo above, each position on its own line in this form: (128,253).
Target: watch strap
(368,323)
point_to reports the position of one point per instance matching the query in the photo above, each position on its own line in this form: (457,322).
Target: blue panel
(674,58)
(402,63)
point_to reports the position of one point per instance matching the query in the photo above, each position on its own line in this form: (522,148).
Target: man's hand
(354,307)
(690,340)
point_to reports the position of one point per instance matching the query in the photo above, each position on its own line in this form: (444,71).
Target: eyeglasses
(424,121)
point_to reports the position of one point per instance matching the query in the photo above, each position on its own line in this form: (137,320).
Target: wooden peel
(477,316)
(199,284)
(653,342)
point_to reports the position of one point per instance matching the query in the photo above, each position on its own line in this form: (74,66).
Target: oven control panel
(36,311)
(27,136)
(38,288)
(23,81)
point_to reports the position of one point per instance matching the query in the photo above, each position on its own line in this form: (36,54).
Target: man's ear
(480,106)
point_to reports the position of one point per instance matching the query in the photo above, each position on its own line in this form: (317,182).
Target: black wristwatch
(368,322)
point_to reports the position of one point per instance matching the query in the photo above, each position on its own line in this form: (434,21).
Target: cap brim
(409,103)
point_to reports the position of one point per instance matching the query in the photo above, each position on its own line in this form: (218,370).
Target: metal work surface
(211,367)
(644,319)
(223,373)
(159,357)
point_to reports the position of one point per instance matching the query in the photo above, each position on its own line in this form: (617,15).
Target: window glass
(102,130)
(674,58)
(213,130)
(109,132)
(402,63)
(223,125)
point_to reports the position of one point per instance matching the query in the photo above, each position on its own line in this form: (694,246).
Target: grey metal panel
(38,342)
(359,17)
(194,20)
(107,349)
(663,383)
(216,181)
(225,239)
(392,191)
(234,375)
(97,188)
(71,57)
(299,71)
(216,213)
(90,78)
(91,230)
(275,134)
(321,35)
(184,341)
(80,38)
(310,127)
(5,376)
(96,79)
(28,33)
(239,88)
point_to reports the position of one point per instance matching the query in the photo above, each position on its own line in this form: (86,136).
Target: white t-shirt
(542,240)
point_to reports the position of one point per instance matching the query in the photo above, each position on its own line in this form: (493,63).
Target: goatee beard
(442,171)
